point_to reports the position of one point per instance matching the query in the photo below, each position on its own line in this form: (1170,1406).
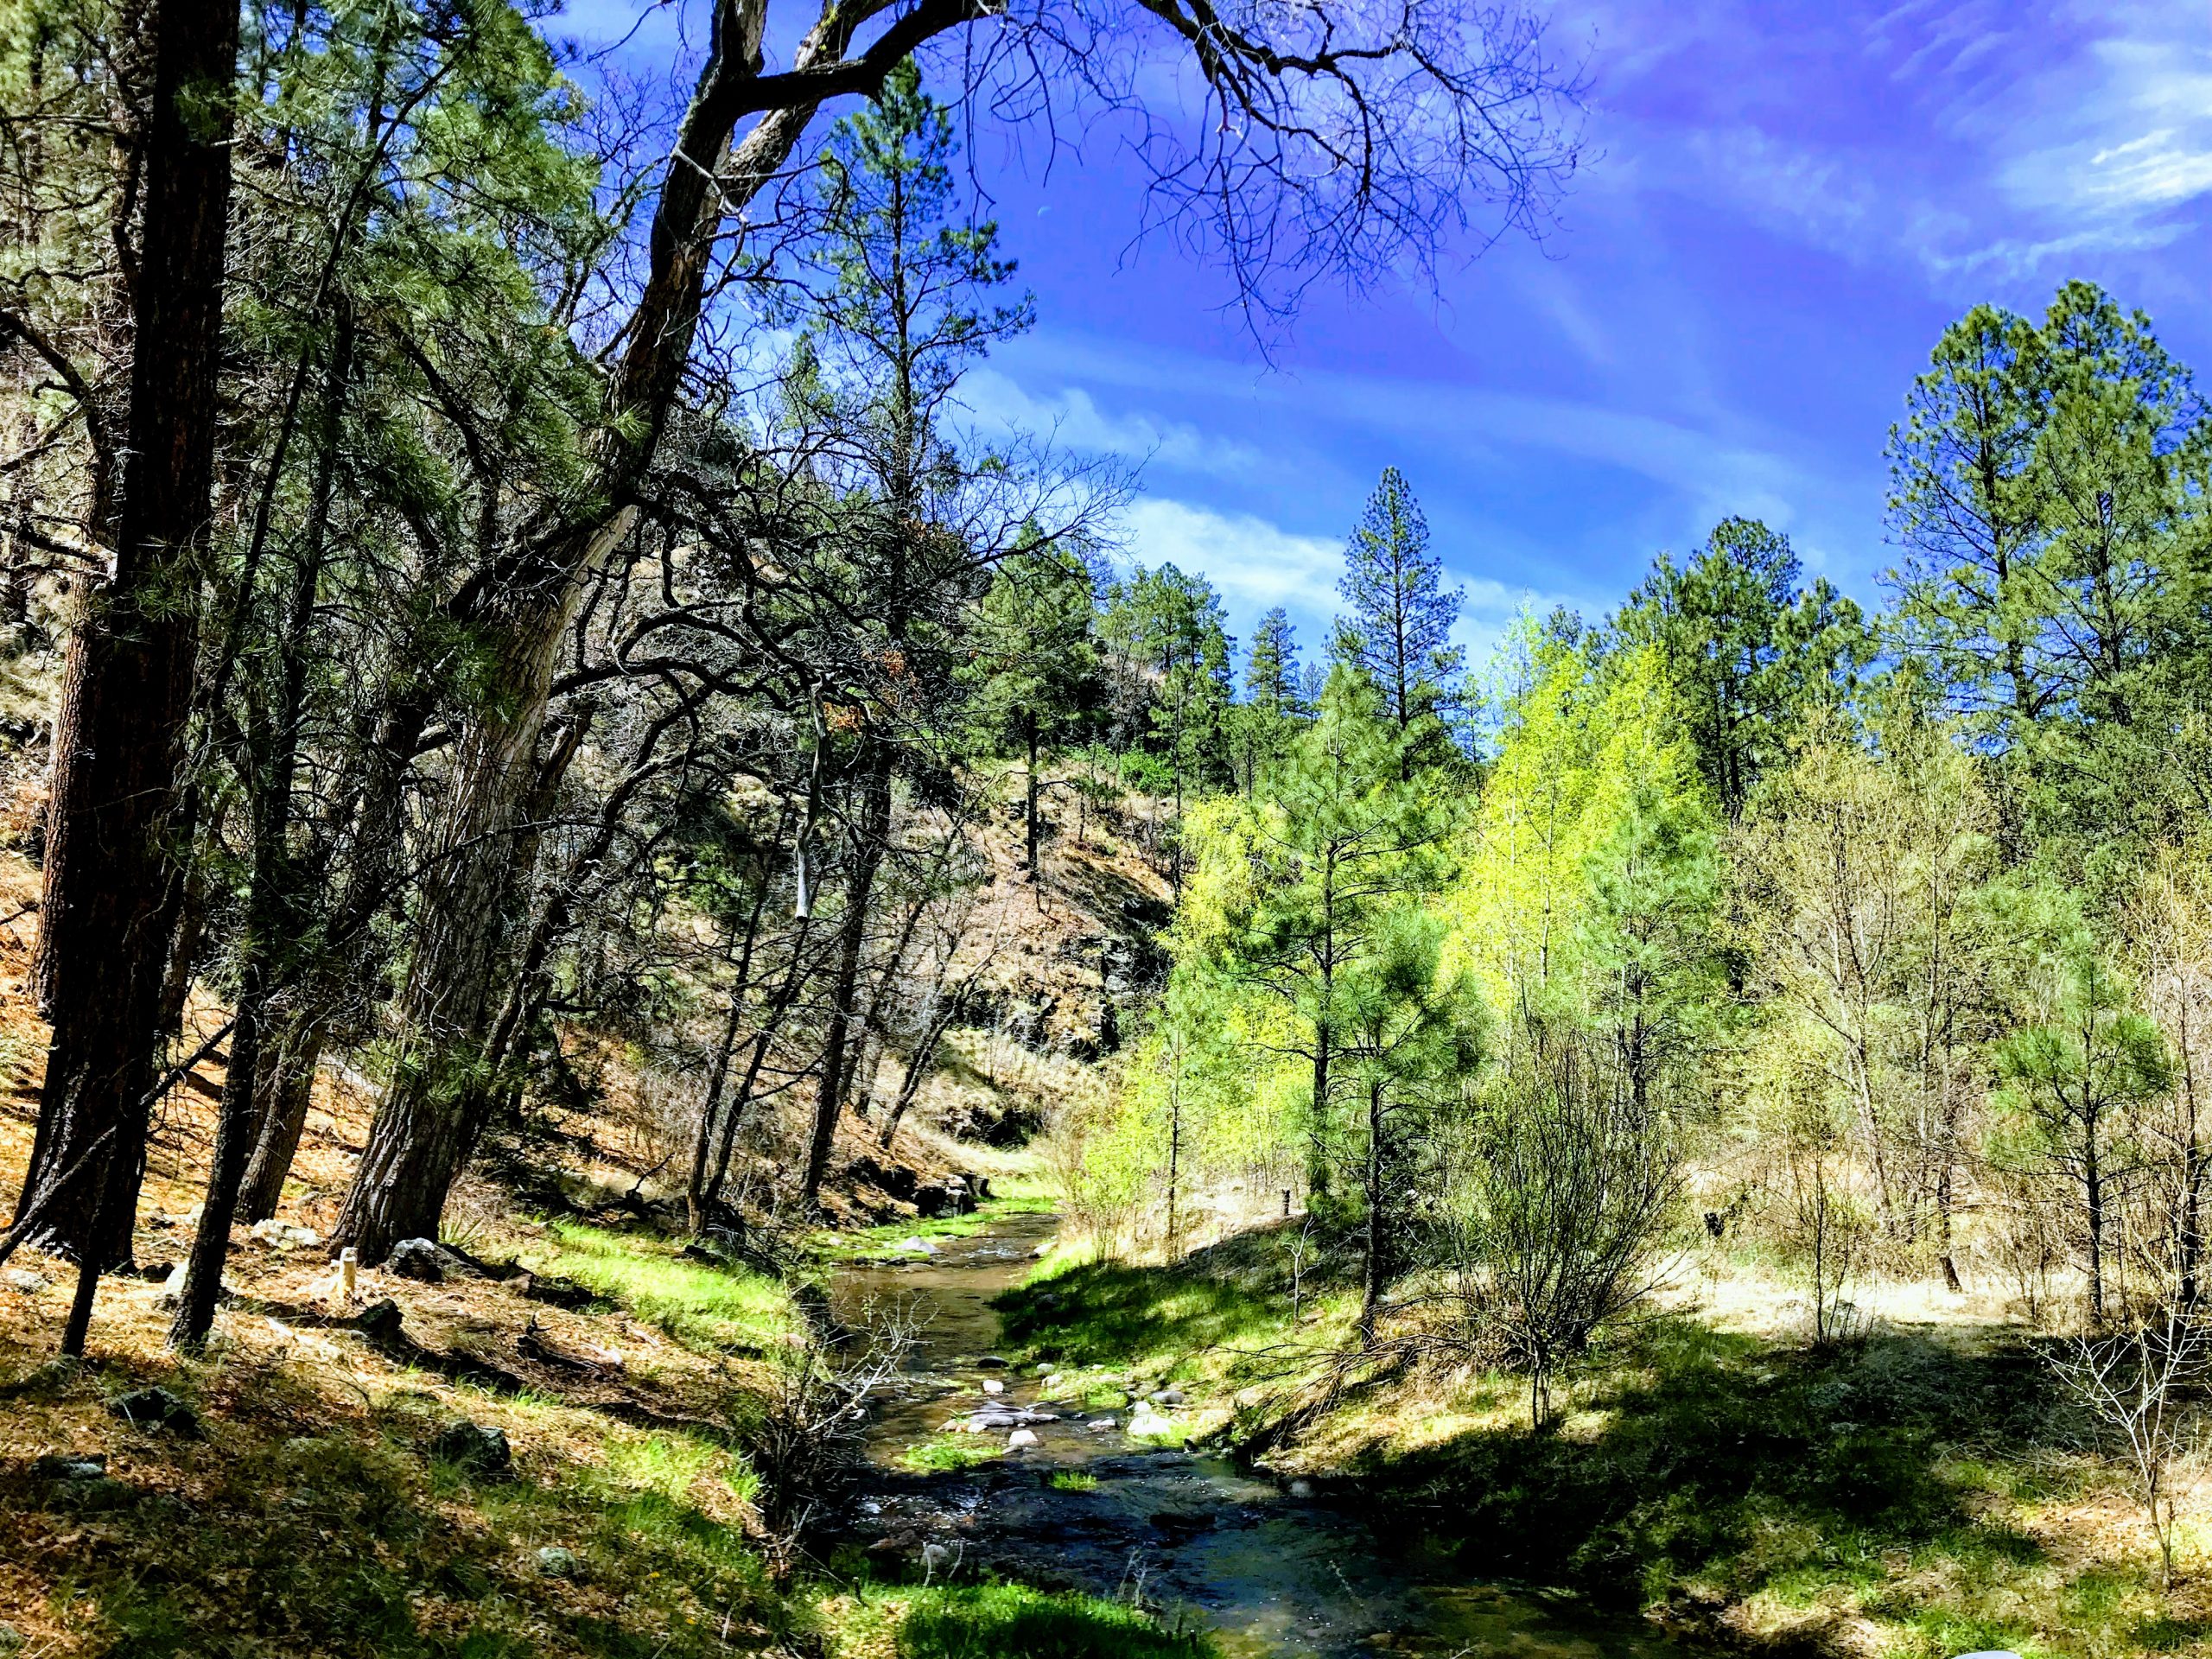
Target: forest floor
(1921,1490)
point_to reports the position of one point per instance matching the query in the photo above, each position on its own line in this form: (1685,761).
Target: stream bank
(1088,1508)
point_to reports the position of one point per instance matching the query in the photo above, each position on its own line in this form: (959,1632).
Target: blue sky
(1783,203)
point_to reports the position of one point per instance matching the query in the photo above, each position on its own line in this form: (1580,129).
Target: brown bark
(870,835)
(519,606)
(106,913)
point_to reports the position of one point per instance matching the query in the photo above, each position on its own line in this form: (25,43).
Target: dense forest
(546,745)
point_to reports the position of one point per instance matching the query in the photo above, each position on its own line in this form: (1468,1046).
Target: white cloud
(1071,418)
(1254,563)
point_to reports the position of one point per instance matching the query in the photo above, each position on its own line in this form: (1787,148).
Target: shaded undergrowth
(1915,1485)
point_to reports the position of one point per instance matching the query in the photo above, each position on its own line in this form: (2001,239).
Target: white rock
(1301,1488)
(992,1385)
(1020,1437)
(914,1242)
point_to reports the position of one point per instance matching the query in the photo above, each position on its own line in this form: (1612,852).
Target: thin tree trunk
(287,1091)
(106,912)
(867,854)
(1373,1270)
(430,1118)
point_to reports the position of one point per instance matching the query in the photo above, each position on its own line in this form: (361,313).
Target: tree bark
(518,605)
(870,835)
(106,912)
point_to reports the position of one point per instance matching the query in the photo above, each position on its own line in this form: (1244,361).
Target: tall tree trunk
(517,607)
(1029,814)
(873,830)
(106,913)
(428,1122)
(286,1091)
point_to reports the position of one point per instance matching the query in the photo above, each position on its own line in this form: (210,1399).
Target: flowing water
(1272,1574)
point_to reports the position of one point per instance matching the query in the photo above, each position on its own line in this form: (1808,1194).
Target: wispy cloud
(1255,564)
(1071,418)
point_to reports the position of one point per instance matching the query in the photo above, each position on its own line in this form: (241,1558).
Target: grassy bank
(1922,1492)
(320,1507)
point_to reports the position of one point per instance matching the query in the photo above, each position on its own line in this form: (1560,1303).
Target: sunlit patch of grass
(883,1241)
(1001,1621)
(948,1454)
(701,1306)
(972,1622)
(672,1464)
(1074,1480)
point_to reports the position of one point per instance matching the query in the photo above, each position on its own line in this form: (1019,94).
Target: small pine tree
(1398,626)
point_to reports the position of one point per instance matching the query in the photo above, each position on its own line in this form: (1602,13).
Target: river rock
(994,1386)
(991,1363)
(419,1259)
(1146,1423)
(1301,1488)
(1020,1439)
(991,1417)
(1169,1397)
(1101,1422)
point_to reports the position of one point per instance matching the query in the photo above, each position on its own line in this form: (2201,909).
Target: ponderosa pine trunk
(431,1113)
(106,911)
(872,833)
(285,1092)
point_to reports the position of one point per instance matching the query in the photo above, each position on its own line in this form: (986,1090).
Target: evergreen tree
(2047,488)
(1271,680)
(1265,720)
(1290,888)
(1748,650)
(1035,663)
(1398,628)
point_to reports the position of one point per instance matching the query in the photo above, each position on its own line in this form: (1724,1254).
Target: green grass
(711,1307)
(1074,1480)
(948,1454)
(1009,1621)
(1910,1482)
(873,1242)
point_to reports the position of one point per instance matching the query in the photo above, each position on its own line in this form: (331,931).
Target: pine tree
(1271,671)
(1035,662)
(1398,626)
(1749,650)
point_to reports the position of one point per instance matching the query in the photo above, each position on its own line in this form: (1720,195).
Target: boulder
(70,1466)
(991,1363)
(472,1446)
(379,1321)
(992,1385)
(24,1280)
(1167,1396)
(1021,1439)
(156,1408)
(556,1561)
(419,1259)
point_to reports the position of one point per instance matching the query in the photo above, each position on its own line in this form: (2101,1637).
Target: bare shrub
(806,1447)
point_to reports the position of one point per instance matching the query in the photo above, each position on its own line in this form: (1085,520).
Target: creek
(1194,1536)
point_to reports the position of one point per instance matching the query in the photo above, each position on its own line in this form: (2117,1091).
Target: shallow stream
(1269,1572)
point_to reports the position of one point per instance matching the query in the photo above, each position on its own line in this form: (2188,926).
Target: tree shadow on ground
(1701,1469)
